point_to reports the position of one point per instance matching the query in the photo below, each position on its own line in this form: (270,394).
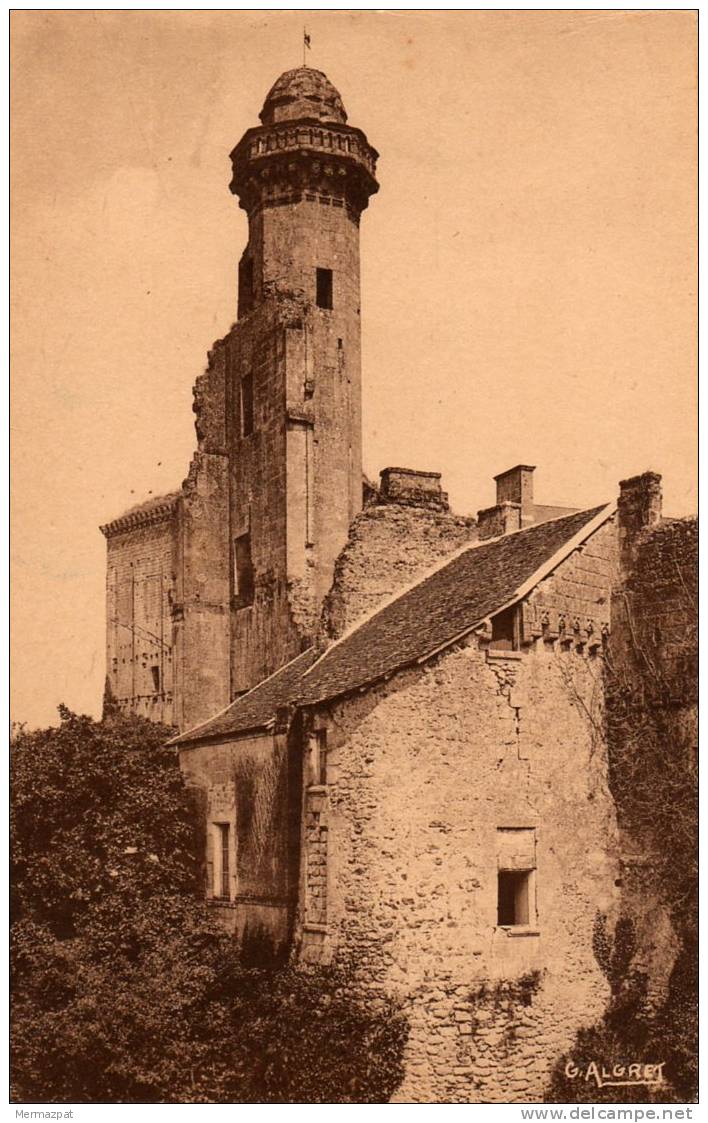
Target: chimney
(413,489)
(638,508)
(514,507)
(516,486)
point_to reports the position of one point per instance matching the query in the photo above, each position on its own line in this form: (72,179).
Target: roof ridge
(439,565)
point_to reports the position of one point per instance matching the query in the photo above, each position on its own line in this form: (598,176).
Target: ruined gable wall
(390,546)
(139,584)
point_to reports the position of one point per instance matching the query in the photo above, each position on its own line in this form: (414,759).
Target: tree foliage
(124,988)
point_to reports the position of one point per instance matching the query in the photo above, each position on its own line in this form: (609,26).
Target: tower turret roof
(303,94)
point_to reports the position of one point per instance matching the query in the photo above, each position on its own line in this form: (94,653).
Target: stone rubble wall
(390,546)
(422,773)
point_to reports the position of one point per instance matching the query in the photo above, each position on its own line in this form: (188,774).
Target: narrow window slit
(324,288)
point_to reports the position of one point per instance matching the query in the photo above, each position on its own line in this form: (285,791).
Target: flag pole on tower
(305,45)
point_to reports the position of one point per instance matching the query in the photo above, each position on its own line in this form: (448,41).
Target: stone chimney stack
(514,507)
(516,486)
(638,508)
(413,489)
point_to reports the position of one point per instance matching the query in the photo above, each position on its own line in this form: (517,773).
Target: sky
(528,267)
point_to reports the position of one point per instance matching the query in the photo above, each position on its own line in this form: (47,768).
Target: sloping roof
(543,512)
(480,580)
(257,708)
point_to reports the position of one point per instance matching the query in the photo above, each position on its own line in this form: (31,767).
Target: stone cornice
(146,516)
(293,157)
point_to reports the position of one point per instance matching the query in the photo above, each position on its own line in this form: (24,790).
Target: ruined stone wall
(264,633)
(652,720)
(390,546)
(202,561)
(655,621)
(139,649)
(250,784)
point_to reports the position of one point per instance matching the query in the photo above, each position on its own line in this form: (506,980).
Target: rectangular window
(246,405)
(505,630)
(513,897)
(324,288)
(222,877)
(155,672)
(321,756)
(243,570)
(516,873)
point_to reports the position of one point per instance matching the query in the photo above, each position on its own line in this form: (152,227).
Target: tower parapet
(304,146)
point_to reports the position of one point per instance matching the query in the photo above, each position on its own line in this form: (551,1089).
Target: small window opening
(222,886)
(155,672)
(320,769)
(513,897)
(247,405)
(505,630)
(243,570)
(245,285)
(324,288)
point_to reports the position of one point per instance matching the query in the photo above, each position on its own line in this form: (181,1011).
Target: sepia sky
(528,273)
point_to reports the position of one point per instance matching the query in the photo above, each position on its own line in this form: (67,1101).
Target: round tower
(303,176)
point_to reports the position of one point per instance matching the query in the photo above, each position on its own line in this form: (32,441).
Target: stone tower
(303,176)
(214,587)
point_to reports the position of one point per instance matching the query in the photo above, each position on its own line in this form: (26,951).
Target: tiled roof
(477,582)
(257,708)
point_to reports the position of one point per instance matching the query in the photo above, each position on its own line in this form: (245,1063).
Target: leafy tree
(124,988)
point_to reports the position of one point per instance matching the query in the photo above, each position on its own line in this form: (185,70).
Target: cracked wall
(423,772)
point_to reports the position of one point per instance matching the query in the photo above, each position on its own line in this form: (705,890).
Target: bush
(124,989)
(631,1031)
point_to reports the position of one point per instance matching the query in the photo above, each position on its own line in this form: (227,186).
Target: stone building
(391,716)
